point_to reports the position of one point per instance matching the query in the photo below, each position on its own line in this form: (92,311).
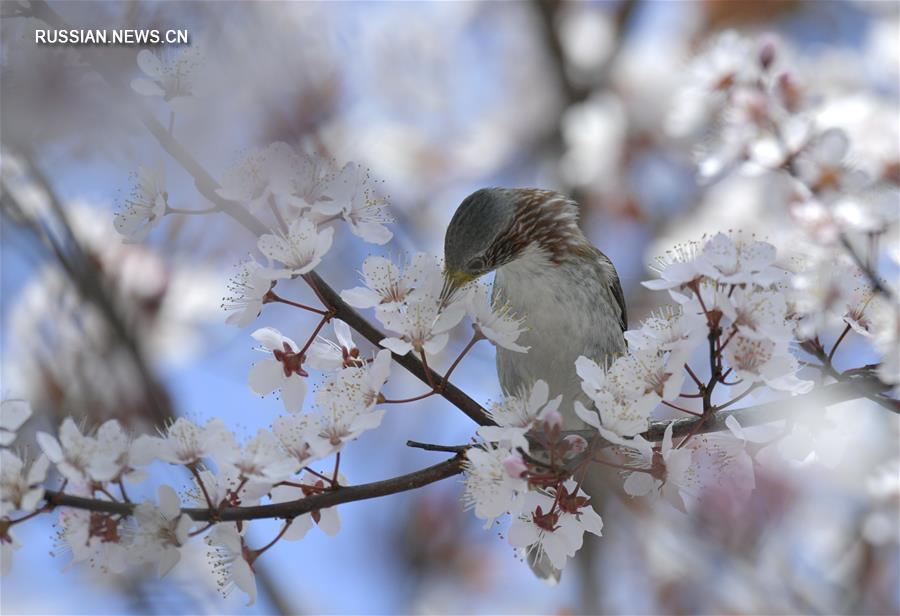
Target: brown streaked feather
(543,217)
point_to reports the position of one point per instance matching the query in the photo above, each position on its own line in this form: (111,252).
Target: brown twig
(291,509)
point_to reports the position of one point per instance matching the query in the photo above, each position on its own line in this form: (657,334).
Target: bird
(548,273)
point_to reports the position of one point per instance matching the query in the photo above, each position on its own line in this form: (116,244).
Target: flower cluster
(270,466)
(549,512)
(415,304)
(843,196)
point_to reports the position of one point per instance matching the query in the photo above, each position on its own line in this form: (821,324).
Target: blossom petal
(293,392)
(266,376)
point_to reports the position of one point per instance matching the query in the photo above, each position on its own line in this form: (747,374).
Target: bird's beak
(453,281)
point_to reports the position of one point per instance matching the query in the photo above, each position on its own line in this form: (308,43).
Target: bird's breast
(569,311)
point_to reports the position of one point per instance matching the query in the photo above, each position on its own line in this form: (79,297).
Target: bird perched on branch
(547,272)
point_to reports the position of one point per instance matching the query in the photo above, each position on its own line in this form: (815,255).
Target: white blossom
(677,269)
(95,538)
(764,360)
(13,413)
(822,167)
(21,489)
(489,487)
(328,356)
(146,206)
(285,372)
(301,524)
(225,486)
(72,454)
(619,393)
(328,520)
(676,331)
(112,460)
(261,462)
(387,285)
(554,527)
(422,325)
(713,77)
(735,261)
(184,442)
(759,314)
(275,172)
(494,320)
(171,78)
(301,249)
(295,432)
(231,560)
(665,471)
(720,469)
(249,288)
(365,213)
(346,402)
(161,531)
(516,415)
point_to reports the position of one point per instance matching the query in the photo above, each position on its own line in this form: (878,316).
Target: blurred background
(437,99)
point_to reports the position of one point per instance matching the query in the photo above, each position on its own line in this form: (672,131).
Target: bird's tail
(542,567)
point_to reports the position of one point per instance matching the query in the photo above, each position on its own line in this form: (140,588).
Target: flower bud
(767,52)
(515,466)
(552,419)
(576,443)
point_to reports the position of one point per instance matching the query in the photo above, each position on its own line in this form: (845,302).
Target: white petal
(270,338)
(149,63)
(169,503)
(344,333)
(244,579)
(586,415)
(298,529)
(14,413)
(266,376)
(522,534)
(398,346)
(50,447)
(361,297)
(330,521)
(638,484)
(372,232)
(293,391)
(436,344)
(275,248)
(146,87)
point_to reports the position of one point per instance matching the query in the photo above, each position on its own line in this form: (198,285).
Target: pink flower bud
(576,443)
(515,466)
(552,419)
(767,52)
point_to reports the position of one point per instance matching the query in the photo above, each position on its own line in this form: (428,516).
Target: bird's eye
(476,264)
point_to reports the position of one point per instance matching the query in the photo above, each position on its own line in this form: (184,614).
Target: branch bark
(288,510)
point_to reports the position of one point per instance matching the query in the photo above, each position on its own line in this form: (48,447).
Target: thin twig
(431,447)
(840,339)
(271,296)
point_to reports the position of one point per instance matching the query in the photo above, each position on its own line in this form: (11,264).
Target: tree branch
(749,416)
(288,510)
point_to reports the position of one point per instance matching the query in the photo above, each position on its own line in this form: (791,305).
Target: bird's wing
(615,287)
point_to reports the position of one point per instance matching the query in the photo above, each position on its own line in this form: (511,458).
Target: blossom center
(292,362)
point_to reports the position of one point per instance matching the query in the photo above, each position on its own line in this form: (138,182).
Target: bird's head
(496,226)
